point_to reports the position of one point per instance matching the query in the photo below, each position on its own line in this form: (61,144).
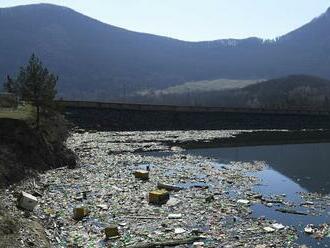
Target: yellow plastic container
(142,174)
(111,231)
(159,197)
(80,213)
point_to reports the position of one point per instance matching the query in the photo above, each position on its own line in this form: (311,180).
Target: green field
(204,86)
(25,112)
(213,85)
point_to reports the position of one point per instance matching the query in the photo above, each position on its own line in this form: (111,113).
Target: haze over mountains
(102,62)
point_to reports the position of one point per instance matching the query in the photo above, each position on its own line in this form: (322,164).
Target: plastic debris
(159,197)
(179,230)
(309,229)
(198,244)
(269,229)
(213,215)
(27,201)
(111,231)
(175,216)
(242,201)
(318,232)
(142,174)
(79,213)
(173,202)
(278,226)
(103,206)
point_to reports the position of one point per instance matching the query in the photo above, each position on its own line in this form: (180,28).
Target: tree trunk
(38,116)
(167,243)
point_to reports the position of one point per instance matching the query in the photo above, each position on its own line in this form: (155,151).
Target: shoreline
(260,138)
(115,196)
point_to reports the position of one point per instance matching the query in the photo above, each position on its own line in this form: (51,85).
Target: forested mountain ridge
(295,91)
(102,62)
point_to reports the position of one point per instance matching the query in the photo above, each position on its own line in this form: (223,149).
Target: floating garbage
(179,230)
(209,211)
(111,231)
(198,244)
(309,229)
(175,216)
(169,187)
(269,229)
(103,206)
(159,197)
(142,174)
(318,232)
(27,201)
(242,201)
(173,202)
(278,226)
(291,211)
(79,213)
(307,203)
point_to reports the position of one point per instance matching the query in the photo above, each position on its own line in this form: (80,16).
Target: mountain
(99,61)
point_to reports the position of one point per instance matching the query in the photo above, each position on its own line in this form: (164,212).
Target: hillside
(289,92)
(99,61)
(296,91)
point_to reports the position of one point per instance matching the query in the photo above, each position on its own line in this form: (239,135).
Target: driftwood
(166,243)
(272,200)
(143,217)
(169,187)
(290,211)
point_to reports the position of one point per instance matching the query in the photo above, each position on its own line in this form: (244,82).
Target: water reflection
(306,164)
(274,183)
(293,169)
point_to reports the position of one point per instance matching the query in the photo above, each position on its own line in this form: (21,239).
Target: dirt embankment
(24,152)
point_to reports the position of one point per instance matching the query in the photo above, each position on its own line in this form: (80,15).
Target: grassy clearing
(25,112)
(204,86)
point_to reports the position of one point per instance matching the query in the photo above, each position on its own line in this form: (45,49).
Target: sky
(197,20)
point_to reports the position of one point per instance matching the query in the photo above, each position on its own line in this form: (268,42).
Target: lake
(291,169)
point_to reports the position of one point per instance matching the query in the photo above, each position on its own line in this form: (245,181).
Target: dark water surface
(292,169)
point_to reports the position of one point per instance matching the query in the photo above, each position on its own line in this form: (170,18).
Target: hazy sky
(198,19)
